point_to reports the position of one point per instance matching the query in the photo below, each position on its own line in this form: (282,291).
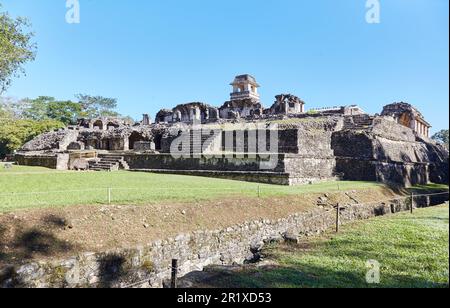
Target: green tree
(16,132)
(36,109)
(442,137)
(66,112)
(47,107)
(16,48)
(14,108)
(4,113)
(22,120)
(97,106)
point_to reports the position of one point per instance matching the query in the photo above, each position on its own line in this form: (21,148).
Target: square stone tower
(245,87)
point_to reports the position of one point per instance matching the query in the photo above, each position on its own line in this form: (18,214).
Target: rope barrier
(118,189)
(152,190)
(49,192)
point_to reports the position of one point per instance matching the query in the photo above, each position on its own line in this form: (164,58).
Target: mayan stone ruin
(332,143)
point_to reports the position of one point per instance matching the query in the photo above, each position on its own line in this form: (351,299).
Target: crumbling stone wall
(55,140)
(151,264)
(244,108)
(314,136)
(389,152)
(286,104)
(305,170)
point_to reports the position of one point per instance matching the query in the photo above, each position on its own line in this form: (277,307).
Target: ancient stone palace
(224,141)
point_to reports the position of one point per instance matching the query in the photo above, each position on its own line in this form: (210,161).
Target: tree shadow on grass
(294,268)
(29,244)
(35,242)
(299,277)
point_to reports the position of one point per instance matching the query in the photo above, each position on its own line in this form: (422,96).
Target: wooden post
(259,191)
(173,282)
(338,217)
(412,203)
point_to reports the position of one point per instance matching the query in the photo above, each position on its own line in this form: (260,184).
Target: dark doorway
(135,137)
(158,140)
(98,124)
(112,126)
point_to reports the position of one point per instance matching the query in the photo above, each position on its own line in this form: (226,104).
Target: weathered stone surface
(55,140)
(286,104)
(389,152)
(80,164)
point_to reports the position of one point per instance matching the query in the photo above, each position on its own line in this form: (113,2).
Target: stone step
(118,158)
(109,163)
(113,161)
(105,166)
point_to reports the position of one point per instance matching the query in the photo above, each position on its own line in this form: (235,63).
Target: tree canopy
(46,107)
(14,133)
(66,111)
(97,106)
(442,137)
(22,120)
(16,48)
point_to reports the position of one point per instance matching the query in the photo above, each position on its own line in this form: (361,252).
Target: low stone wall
(289,169)
(53,161)
(150,265)
(206,163)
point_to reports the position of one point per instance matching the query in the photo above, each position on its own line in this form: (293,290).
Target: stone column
(146,119)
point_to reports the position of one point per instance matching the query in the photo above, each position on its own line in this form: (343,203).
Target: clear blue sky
(151,54)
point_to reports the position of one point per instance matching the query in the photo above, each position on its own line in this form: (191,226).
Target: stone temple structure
(245,87)
(406,115)
(301,146)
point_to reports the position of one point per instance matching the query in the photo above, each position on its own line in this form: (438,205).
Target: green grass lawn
(412,250)
(31,187)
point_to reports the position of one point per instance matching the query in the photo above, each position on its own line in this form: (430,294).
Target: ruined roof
(164,112)
(287,98)
(248,102)
(48,141)
(397,109)
(245,79)
(122,132)
(191,105)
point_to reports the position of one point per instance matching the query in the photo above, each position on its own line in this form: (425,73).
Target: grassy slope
(30,187)
(413,251)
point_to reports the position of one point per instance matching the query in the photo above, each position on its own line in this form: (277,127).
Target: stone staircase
(358,122)
(109,163)
(204,145)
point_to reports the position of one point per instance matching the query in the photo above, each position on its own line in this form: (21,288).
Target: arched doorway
(112,125)
(98,124)
(135,137)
